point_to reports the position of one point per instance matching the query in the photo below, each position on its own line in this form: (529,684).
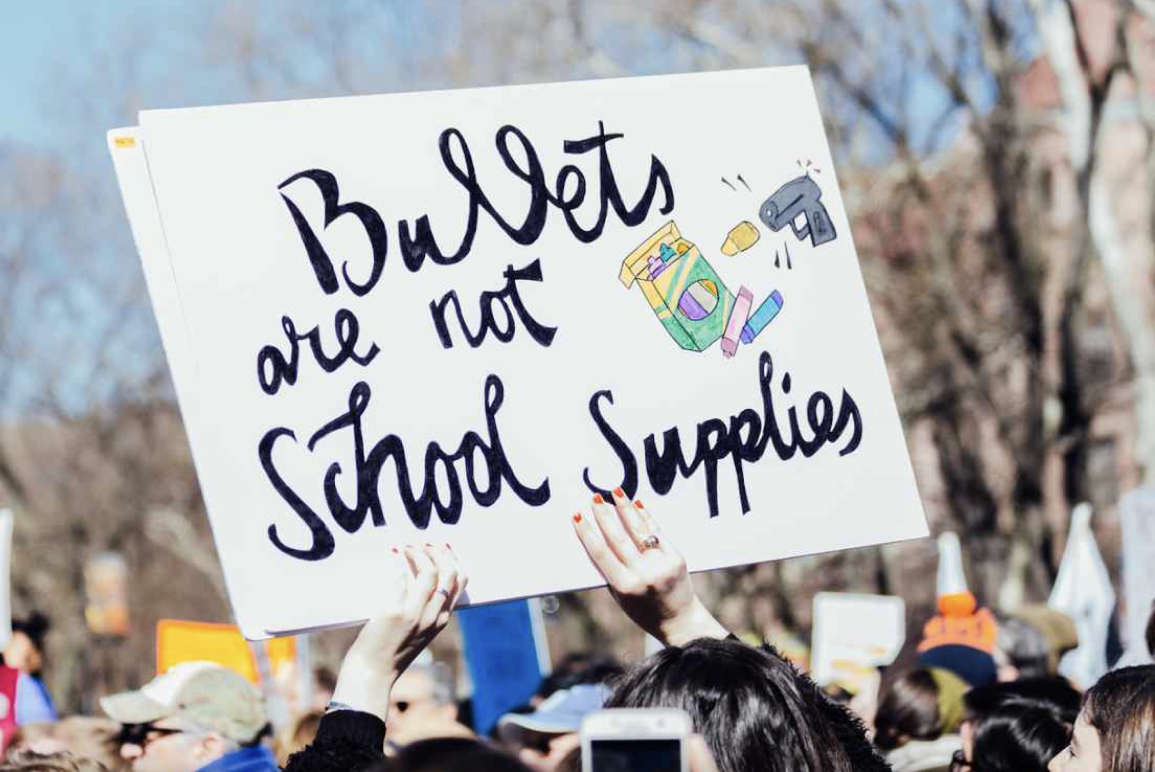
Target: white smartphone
(635,740)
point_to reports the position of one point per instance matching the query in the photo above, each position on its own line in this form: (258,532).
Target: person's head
(324,682)
(23,760)
(752,708)
(577,668)
(299,732)
(25,649)
(187,718)
(920,704)
(454,754)
(423,695)
(1115,731)
(88,737)
(1054,695)
(1016,737)
(545,736)
(1021,650)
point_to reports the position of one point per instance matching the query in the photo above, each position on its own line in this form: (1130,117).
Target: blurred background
(997,158)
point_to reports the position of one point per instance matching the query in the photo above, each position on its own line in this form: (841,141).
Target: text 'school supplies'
(762,317)
(690,299)
(740,238)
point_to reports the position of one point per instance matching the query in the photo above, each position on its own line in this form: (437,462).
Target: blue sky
(43,38)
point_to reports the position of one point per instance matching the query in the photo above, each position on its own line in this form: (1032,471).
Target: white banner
(854,634)
(1137,513)
(1083,592)
(454,316)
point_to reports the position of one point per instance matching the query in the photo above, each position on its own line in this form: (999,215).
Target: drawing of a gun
(799,196)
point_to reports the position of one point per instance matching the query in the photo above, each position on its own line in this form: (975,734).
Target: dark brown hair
(1121,707)
(908,710)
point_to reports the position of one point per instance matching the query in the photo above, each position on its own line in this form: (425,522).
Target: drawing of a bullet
(737,321)
(762,317)
(740,238)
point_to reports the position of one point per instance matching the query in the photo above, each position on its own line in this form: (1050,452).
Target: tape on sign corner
(124,142)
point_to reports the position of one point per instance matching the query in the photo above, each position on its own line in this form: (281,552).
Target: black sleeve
(347,741)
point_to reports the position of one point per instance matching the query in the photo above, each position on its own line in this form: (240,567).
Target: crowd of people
(980,694)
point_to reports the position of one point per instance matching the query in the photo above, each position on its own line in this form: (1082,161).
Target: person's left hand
(426,589)
(645,572)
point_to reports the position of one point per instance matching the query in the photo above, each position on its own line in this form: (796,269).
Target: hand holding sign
(420,600)
(646,575)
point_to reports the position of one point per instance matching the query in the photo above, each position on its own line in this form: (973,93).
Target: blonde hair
(21,760)
(297,734)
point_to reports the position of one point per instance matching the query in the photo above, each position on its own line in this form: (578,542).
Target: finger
(605,561)
(699,756)
(614,534)
(424,582)
(446,585)
(446,571)
(631,519)
(462,577)
(651,528)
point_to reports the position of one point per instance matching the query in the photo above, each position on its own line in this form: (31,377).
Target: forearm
(364,684)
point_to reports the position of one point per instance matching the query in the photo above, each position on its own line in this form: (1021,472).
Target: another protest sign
(180,641)
(1137,514)
(853,635)
(314,278)
(507,655)
(6,524)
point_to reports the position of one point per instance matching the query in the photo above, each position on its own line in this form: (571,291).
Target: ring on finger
(650,542)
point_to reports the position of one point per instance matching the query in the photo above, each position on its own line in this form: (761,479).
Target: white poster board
(1137,513)
(6,523)
(853,634)
(307,260)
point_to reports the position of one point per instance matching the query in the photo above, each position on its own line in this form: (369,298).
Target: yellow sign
(179,641)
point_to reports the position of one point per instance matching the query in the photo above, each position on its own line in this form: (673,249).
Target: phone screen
(636,755)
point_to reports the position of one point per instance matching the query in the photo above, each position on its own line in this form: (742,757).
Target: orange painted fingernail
(598,498)
(619,493)
(577,517)
(638,504)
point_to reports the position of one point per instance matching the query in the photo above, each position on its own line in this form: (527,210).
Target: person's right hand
(646,575)
(701,760)
(422,595)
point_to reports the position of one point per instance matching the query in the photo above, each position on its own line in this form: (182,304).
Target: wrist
(363,685)
(695,622)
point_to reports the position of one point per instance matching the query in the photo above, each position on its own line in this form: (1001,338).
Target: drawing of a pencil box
(689,298)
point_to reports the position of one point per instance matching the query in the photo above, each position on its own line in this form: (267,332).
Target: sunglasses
(143,734)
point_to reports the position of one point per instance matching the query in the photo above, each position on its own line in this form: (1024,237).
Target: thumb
(699,755)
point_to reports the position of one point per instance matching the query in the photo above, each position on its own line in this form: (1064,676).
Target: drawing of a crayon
(762,317)
(737,321)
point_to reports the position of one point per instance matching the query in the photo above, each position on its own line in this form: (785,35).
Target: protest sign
(854,634)
(6,523)
(454,316)
(1137,513)
(507,654)
(1083,591)
(106,594)
(180,641)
